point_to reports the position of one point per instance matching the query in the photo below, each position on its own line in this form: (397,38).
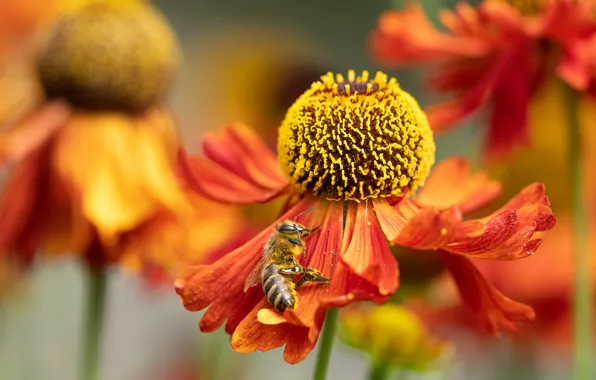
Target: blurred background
(243,61)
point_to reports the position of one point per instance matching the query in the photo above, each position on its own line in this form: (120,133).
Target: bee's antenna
(302,213)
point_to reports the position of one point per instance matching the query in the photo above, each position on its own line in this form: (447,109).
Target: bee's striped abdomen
(276,288)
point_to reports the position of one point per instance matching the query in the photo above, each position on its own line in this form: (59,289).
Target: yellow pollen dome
(356,138)
(109,55)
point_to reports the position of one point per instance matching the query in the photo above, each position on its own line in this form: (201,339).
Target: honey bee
(278,270)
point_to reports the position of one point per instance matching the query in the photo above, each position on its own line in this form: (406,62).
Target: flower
(392,335)
(93,165)
(494,58)
(353,150)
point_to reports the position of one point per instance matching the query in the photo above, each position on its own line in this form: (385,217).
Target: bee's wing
(254,276)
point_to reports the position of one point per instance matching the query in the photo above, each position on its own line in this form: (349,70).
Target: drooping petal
(19,203)
(220,286)
(365,249)
(257,332)
(120,168)
(451,183)
(424,228)
(508,233)
(408,36)
(33,132)
(237,167)
(493,310)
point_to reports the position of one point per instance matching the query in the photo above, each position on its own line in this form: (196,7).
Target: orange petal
(121,167)
(366,251)
(237,167)
(427,228)
(33,132)
(218,183)
(493,310)
(221,284)
(396,42)
(19,204)
(251,335)
(451,183)
(321,253)
(240,150)
(508,233)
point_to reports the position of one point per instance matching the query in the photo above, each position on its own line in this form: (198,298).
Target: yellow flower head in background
(94,162)
(392,335)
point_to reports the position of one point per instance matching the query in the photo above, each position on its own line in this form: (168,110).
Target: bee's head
(293,231)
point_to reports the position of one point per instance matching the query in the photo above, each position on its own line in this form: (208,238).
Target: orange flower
(493,58)
(93,164)
(352,150)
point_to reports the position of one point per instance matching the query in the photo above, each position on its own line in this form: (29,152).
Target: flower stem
(379,370)
(93,322)
(583,329)
(326,344)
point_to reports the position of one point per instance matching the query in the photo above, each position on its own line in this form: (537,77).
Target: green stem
(93,322)
(326,344)
(583,329)
(379,370)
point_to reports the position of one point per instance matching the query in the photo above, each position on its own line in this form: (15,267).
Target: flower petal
(120,167)
(251,335)
(365,249)
(217,183)
(451,183)
(220,286)
(19,204)
(492,309)
(397,42)
(240,150)
(33,132)
(416,227)
(508,233)
(237,167)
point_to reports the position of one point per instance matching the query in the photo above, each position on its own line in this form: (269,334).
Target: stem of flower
(93,322)
(327,337)
(379,370)
(583,329)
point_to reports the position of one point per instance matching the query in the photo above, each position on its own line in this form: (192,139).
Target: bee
(278,270)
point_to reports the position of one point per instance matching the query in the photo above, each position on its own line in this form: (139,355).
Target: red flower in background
(352,157)
(493,58)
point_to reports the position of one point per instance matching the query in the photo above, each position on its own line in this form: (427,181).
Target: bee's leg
(311,275)
(290,271)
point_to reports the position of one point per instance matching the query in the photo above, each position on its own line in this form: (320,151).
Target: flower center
(356,139)
(111,55)
(525,7)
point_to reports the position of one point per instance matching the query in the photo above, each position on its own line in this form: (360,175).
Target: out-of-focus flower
(254,74)
(547,159)
(21,22)
(94,163)
(494,58)
(353,150)
(392,335)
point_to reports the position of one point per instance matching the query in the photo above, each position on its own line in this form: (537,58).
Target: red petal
(508,232)
(322,253)
(34,131)
(221,284)
(451,183)
(219,184)
(424,228)
(252,335)
(366,251)
(240,150)
(237,168)
(492,309)
(396,42)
